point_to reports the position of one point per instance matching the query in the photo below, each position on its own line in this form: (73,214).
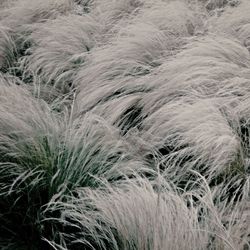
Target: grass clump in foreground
(42,156)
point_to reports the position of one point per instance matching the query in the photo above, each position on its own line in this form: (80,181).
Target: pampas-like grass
(124,124)
(110,72)
(185,108)
(143,215)
(227,60)
(137,50)
(191,139)
(18,15)
(24,162)
(43,155)
(54,56)
(7,49)
(224,228)
(111,13)
(221,73)
(131,216)
(233,22)
(23,12)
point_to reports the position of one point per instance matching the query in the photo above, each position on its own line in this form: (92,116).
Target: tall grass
(7,49)
(58,49)
(43,155)
(18,15)
(124,124)
(140,47)
(143,215)
(132,216)
(24,12)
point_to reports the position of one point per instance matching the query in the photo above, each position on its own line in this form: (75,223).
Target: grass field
(125,124)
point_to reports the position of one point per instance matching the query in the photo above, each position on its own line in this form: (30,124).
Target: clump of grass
(220,73)
(8,49)
(58,49)
(112,72)
(23,12)
(24,161)
(198,134)
(209,96)
(132,215)
(45,155)
(18,15)
(136,50)
(112,13)
(138,214)
(222,217)
(234,22)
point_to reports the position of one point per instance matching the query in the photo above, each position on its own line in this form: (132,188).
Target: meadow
(124,124)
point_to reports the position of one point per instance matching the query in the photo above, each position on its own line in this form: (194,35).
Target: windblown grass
(41,157)
(18,15)
(137,50)
(132,216)
(57,52)
(124,124)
